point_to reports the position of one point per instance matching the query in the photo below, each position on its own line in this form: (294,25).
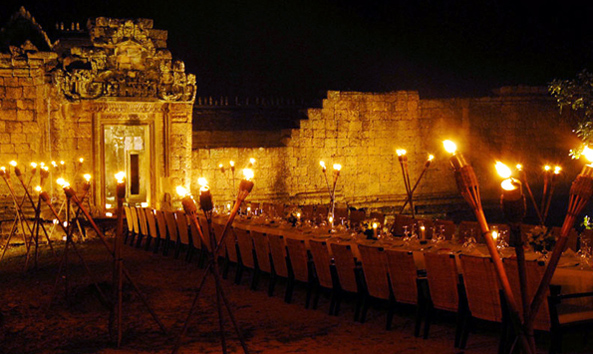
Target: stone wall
(361,131)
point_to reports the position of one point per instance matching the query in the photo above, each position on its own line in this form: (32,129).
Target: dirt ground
(31,323)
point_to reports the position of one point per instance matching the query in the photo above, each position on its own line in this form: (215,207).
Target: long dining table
(572,274)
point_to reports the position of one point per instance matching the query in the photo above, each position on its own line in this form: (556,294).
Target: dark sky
(301,48)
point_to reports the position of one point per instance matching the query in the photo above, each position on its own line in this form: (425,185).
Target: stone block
(11,81)
(23,149)
(18,138)
(14,92)
(4,138)
(14,127)
(25,115)
(29,92)
(6,148)
(25,81)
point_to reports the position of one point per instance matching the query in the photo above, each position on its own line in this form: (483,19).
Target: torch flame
(508,185)
(87,177)
(547,168)
(495,235)
(430,157)
(322,164)
(252,160)
(248,174)
(203,184)
(400,152)
(588,153)
(503,170)
(33,164)
(450,146)
(519,167)
(220,165)
(557,170)
(337,167)
(232,163)
(61,182)
(62,162)
(182,191)
(120,176)
(81,160)
(38,188)
(13,163)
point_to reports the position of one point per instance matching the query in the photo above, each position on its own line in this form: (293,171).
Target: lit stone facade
(59,101)
(361,131)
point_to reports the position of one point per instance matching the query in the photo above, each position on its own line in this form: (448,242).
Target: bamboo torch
(468,186)
(580,194)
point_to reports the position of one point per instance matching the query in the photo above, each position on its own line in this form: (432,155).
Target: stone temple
(111,93)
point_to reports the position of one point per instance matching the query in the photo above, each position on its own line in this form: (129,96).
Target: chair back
(322,261)
(129,218)
(161,224)
(151,222)
(218,229)
(340,213)
(321,213)
(245,243)
(171,225)
(374,265)
(142,221)
(262,251)
(399,223)
(182,227)
(443,280)
(403,274)
(230,244)
(379,216)
(482,287)
(299,261)
(469,229)
(345,265)
(308,212)
(357,217)
(448,226)
(278,252)
(136,224)
(534,273)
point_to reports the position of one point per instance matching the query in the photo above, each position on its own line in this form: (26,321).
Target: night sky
(302,48)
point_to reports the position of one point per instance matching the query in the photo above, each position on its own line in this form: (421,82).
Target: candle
(375,227)
(422,232)
(205,195)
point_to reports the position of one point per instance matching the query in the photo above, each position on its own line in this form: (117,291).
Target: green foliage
(577,94)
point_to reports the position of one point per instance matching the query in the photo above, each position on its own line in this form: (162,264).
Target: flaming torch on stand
(468,186)
(580,194)
(206,204)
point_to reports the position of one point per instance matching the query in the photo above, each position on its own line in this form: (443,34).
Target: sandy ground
(79,324)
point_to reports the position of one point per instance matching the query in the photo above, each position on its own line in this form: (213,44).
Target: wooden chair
(262,252)
(129,223)
(483,295)
(340,214)
(374,265)
(135,224)
(300,267)
(321,213)
(228,248)
(162,230)
(279,261)
(445,288)
(469,229)
(308,212)
(406,286)
(183,233)
(357,217)
(171,231)
(196,244)
(142,225)
(153,233)
(349,274)
(448,226)
(324,272)
(399,223)
(246,255)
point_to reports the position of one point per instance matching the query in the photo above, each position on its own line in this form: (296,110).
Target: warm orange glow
(430,157)
(232,163)
(547,168)
(400,152)
(54,164)
(61,182)
(87,177)
(81,160)
(13,163)
(519,167)
(252,160)
(337,167)
(248,174)
(450,146)
(62,162)
(182,191)
(322,164)
(508,185)
(495,235)
(220,165)
(557,170)
(33,164)
(330,219)
(120,176)
(588,153)
(38,188)
(503,170)
(203,184)
(375,225)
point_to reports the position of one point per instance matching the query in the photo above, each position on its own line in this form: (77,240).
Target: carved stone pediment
(123,62)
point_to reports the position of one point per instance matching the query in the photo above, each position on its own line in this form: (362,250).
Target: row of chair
(384,274)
